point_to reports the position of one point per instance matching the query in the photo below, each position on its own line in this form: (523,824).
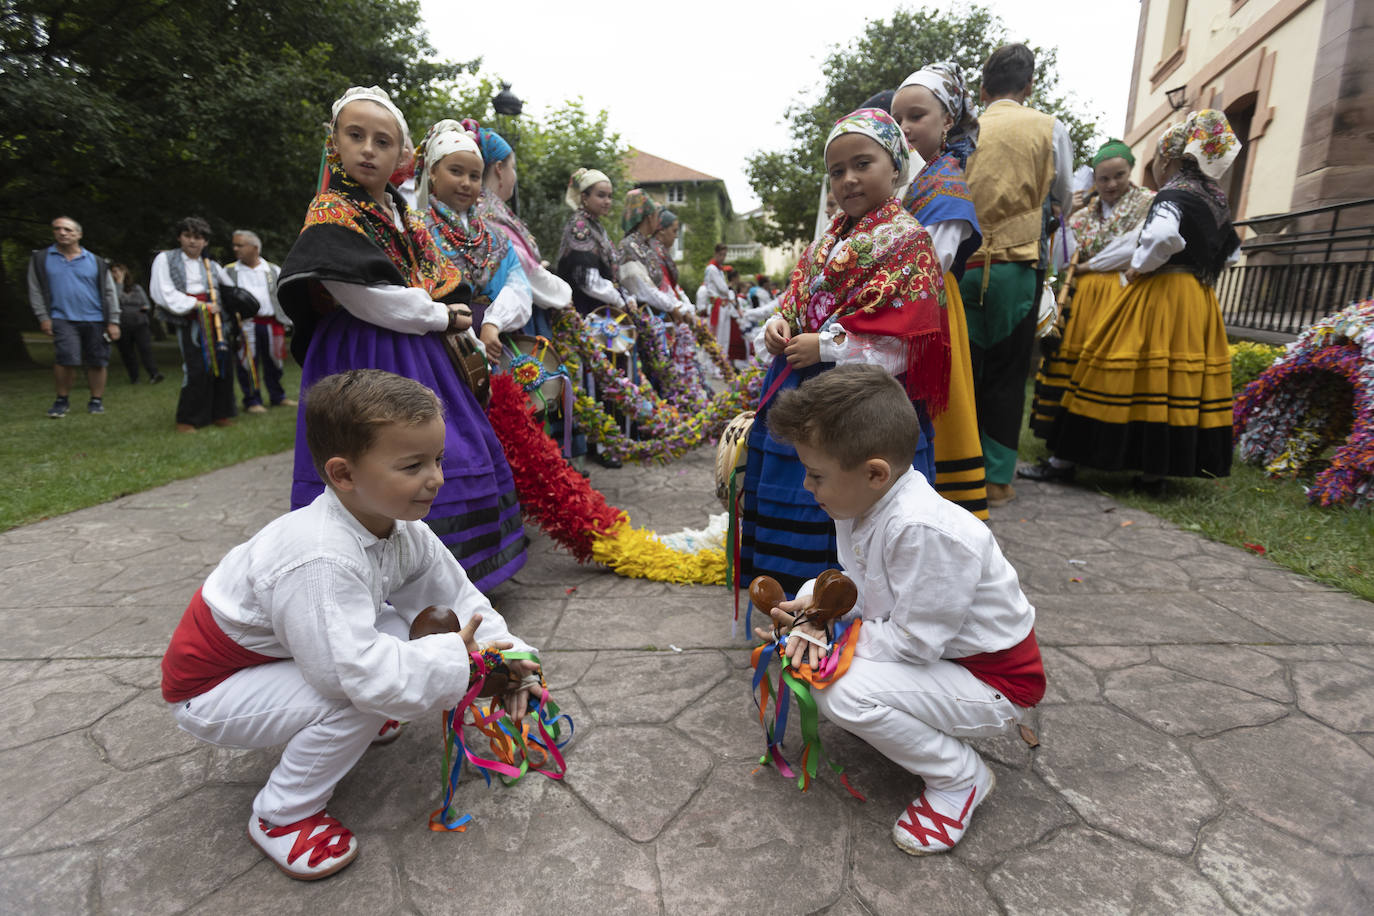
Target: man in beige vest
(1022,166)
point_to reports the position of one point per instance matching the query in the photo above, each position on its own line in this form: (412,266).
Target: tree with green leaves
(788,181)
(548,151)
(128,114)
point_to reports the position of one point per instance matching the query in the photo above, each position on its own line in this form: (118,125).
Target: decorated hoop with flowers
(1318,395)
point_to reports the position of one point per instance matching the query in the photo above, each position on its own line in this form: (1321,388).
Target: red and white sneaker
(389,732)
(933,824)
(312,848)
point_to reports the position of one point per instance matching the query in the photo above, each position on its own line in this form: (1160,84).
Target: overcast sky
(705,83)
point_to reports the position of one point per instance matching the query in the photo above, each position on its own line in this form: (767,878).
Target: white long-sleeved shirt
(599,288)
(514,304)
(1159,240)
(407,309)
(257,280)
(932,581)
(550,291)
(714,281)
(946,236)
(310,586)
(635,279)
(1116,255)
(164,291)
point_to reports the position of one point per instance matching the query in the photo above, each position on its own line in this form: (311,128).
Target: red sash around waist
(201,656)
(1017,672)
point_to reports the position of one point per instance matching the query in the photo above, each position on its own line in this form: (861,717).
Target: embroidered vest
(1010,176)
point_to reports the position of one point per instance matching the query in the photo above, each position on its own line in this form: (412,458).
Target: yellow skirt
(1094,297)
(959,474)
(1152,388)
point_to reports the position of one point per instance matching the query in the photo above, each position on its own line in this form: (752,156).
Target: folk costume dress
(184,288)
(1152,388)
(551,292)
(1106,237)
(1024,157)
(501,295)
(349,283)
(940,200)
(587,258)
(667,276)
(873,289)
(876,283)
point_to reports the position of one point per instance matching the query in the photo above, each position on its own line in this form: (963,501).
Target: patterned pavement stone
(1206,741)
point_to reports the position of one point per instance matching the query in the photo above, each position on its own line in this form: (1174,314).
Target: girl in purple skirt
(367,288)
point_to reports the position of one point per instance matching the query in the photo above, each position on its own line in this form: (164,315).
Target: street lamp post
(507,102)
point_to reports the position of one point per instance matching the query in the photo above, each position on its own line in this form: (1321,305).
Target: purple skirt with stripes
(476,514)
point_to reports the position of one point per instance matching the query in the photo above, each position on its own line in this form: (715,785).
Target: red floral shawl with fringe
(885,281)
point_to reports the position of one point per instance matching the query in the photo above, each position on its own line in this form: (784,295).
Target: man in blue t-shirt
(74,298)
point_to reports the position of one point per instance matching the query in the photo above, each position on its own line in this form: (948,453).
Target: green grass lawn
(81,460)
(1335,545)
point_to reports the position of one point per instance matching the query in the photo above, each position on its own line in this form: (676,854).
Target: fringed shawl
(885,280)
(939,194)
(1093,233)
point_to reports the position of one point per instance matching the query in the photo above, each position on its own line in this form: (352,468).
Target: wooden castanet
(434,619)
(835,595)
(766,593)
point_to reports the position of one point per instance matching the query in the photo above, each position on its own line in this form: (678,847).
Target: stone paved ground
(1206,740)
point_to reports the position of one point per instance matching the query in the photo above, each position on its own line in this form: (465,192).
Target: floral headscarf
(877,125)
(638,207)
(1206,138)
(445,137)
(946,82)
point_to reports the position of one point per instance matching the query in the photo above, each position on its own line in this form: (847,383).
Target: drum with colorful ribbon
(537,366)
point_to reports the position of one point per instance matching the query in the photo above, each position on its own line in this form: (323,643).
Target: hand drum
(442,620)
(834,596)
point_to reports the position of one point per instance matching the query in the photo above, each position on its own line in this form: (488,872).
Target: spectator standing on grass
(263,350)
(186,285)
(74,298)
(135,335)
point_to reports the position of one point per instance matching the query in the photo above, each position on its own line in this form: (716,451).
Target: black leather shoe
(1046,472)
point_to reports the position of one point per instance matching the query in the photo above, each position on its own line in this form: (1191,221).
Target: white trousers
(271,704)
(917,714)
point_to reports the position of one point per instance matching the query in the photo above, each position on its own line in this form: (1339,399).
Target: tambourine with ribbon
(614,328)
(538,368)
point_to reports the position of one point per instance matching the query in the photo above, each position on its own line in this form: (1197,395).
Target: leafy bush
(1249,360)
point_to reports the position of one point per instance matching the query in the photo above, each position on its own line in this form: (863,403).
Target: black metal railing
(1299,267)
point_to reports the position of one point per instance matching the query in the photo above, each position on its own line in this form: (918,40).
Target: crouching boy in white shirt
(300,636)
(947,649)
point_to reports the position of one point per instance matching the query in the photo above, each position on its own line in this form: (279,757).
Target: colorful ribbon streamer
(797,684)
(508,740)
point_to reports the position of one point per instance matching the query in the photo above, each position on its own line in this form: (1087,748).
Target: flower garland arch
(1319,394)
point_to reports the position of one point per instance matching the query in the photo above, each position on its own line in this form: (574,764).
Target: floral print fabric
(1093,233)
